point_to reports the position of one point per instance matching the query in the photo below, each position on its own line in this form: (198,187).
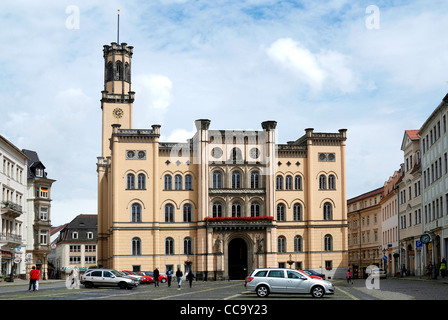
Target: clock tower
(117,96)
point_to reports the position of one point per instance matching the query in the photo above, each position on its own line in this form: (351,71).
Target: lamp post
(43,267)
(11,275)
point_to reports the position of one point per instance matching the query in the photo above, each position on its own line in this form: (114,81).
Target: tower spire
(118,27)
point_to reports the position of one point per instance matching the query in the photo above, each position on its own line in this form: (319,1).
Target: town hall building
(220,204)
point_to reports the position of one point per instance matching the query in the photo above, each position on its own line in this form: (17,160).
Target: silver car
(266,280)
(108,278)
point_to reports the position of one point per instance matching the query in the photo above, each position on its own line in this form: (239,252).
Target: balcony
(10,239)
(11,209)
(234,191)
(239,223)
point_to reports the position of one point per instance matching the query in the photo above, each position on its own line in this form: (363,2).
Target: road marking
(189,292)
(346,293)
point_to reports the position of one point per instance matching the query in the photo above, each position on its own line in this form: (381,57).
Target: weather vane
(118,27)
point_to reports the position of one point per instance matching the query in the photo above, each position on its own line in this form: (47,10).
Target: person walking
(190,277)
(443,268)
(156,277)
(179,275)
(34,277)
(169,275)
(349,276)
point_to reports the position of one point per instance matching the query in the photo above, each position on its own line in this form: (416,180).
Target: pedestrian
(403,270)
(156,277)
(34,277)
(349,276)
(169,275)
(443,268)
(190,277)
(179,275)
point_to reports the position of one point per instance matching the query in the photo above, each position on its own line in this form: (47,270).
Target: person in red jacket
(34,276)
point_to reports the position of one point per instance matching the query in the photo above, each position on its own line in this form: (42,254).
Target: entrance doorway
(237,259)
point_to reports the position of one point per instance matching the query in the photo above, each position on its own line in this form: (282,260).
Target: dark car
(314,273)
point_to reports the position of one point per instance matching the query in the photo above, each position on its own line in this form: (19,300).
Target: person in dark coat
(190,277)
(179,275)
(156,277)
(169,275)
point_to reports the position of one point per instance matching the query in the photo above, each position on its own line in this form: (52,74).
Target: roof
(82,224)
(378,191)
(413,134)
(33,163)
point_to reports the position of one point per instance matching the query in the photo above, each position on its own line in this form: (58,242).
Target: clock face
(425,238)
(118,112)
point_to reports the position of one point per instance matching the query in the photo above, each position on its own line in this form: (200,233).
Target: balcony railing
(10,238)
(239,222)
(11,208)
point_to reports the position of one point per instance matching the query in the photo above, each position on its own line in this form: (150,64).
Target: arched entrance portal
(237,259)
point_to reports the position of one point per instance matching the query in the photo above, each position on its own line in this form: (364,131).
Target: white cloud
(317,70)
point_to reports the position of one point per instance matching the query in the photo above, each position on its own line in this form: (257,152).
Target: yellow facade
(221,204)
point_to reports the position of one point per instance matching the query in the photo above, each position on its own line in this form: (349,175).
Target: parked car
(146,279)
(107,278)
(314,273)
(310,275)
(265,281)
(132,275)
(162,277)
(379,272)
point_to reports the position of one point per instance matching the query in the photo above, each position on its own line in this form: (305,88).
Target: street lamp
(43,267)
(11,276)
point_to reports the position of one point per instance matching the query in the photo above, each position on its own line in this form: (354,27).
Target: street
(388,289)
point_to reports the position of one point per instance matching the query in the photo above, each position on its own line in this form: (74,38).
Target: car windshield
(118,273)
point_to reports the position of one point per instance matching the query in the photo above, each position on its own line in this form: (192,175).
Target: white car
(107,278)
(279,280)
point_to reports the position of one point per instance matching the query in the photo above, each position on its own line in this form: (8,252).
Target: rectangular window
(43,237)
(44,214)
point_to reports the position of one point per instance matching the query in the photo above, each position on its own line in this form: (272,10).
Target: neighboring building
(221,204)
(76,245)
(364,232)
(38,215)
(410,205)
(434,147)
(389,224)
(13,184)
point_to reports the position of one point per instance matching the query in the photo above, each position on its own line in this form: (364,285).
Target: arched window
(236,209)
(328,211)
(177,182)
(298,244)
(169,246)
(127,72)
(279,183)
(141,181)
(298,183)
(255,180)
(118,70)
(187,211)
(109,71)
(188,248)
(281,244)
(331,182)
(236,155)
(130,181)
(167,182)
(281,212)
(236,180)
(136,246)
(188,182)
(217,210)
(288,183)
(297,212)
(255,209)
(217,180)
(169,213)
(136,212)
(322,182)
(328,243)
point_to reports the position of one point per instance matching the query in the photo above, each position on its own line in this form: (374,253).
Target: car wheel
(317,292)
(88,284)
(122,285)
(163,280)
(262,291)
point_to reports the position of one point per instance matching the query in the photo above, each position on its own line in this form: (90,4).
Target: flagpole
(118,28)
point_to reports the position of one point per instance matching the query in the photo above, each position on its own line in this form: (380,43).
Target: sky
(375,68)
